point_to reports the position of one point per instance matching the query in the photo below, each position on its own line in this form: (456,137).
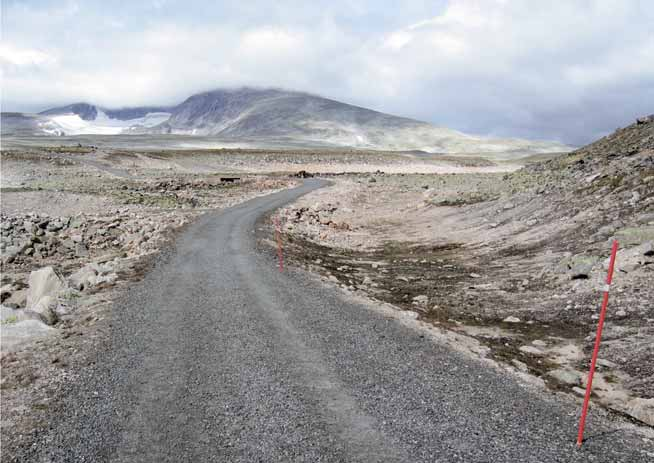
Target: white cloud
(512,68)
(270,40)
(15,56)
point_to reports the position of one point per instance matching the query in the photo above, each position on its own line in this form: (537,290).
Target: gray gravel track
(217,356)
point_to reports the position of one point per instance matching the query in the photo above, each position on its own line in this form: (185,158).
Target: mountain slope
(272,114)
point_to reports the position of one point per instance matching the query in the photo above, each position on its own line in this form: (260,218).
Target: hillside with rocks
(514,261)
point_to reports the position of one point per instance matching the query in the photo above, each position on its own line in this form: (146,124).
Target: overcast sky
(568,70)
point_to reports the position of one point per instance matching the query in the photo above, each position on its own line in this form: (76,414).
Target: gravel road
(217,356)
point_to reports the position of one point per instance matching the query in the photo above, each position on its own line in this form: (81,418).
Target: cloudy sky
(569,70)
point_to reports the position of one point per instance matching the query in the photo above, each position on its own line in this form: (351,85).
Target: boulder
(84,277)
(5,292)
(46,309)
(635,235)
(15,335)
(642,409)
(9,315)
(566,376)
(10,254)
(511,319)
(107,278)
(43,282)
(630,259)
(18,298)
(55,225)
(81,250)
(531,350)
(520,365)
(580,266)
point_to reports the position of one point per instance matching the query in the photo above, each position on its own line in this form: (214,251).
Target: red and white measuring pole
(598,339)
(278,236)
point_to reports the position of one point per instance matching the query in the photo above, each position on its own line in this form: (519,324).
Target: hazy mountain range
(267,115)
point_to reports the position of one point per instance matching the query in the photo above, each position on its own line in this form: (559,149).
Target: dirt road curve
(216,356)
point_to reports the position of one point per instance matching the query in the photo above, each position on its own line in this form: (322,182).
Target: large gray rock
(580,266)
(630,259)
(15,335)
(9,315)
(17,298)
(43,282)
(84,277)
(10,254)
(46,309)
(5,291)
(642,409)
(81,250)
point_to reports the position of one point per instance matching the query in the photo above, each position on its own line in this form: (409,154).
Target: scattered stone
(566,376)
(409,314)
(520,365)
(606,363)
(421,300)
(531,350)
(43,282)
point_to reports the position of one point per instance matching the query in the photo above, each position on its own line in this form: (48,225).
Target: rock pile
(43,307)
(89,248)
(32,239)
(316,215)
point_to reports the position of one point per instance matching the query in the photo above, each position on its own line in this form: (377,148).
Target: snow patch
(72,124)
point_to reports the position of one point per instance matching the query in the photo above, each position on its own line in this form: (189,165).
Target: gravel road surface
(217,356)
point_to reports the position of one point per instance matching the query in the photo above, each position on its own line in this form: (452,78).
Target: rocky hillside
(611,165)
(262,115)
(516,261)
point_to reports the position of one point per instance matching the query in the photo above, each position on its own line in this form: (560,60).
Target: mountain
(262,115)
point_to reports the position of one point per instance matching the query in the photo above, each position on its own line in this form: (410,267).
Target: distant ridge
(269,115)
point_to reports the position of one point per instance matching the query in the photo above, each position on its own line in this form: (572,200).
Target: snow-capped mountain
(262,115)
